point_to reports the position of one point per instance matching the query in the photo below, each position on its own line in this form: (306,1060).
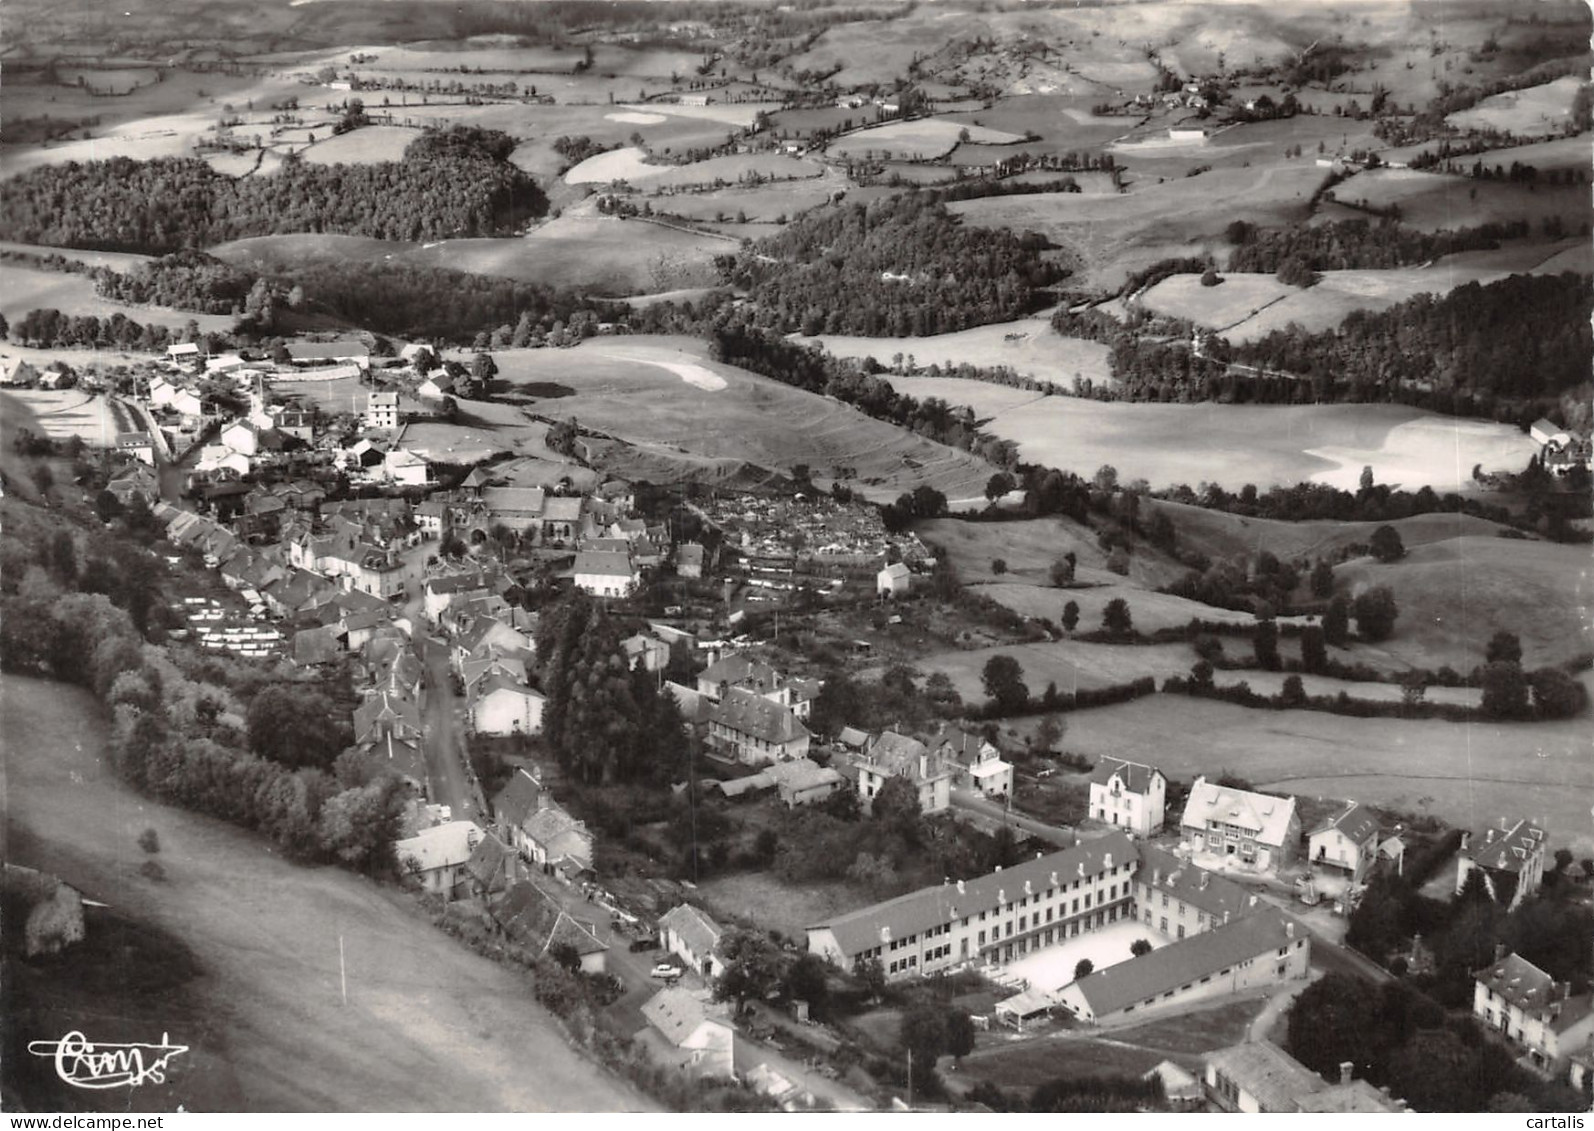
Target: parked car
(668,971)
(646,942)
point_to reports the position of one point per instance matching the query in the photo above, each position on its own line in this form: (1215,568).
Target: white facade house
(1510,857)
(382,411)
(604,573)
(894,580)
(1532,1010)
(1347,842)
(693,937)
(993,777)
(437,856)
(1256,828)
(407,469)
(242,437)
(1128,795)
(897,755)
(503,707)
(698,1035)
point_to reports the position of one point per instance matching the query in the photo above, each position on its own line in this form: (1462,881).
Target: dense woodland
(1356,244)
(905,265)
(450,184)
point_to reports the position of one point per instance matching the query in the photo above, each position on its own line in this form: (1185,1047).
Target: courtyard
(1052,968)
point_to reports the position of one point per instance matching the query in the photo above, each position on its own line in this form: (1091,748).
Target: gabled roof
(1505,849)
(529,914)
(598,564)
(385,706)
(1353,1097)
(473,670)
(852,736)
(696,928)
(897,571)
(1520,983)
(897,753)
(1265,816)
(1136,776)
(515,500)
(517,800)
(763,719)
(546,824)
(1181,963)
(1357,823)
(458,583)
(678,1014)
(802,773)
(316,645)
(1275,1078)
(962,743)
(441,846)
(1219,897)
(486,863)
(502,681)
(928,907)
(403,758)
(563,508)
(740,668)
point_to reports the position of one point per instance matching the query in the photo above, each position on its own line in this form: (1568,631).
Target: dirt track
(428,1024)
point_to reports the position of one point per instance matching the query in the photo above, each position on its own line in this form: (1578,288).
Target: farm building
(184,353)
(554,838)
(1255,827)
(139,445)
(1509,857)
(536,920)
(993,918)
(437,856)
(752,728)
(894,580)
(16,371)
(685,1029)
(1258,1077)
(1129,795)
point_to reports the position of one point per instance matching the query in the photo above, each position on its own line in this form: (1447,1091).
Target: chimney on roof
(1499,952)
(960,887)
(1027,889)
(1289,929)
(1346,1070)
(1054,879)
(1253,901)
(1156,876)
(1106,861)
(1001,897)
(1204,875)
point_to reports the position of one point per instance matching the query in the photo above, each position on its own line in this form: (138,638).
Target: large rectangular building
(994,918)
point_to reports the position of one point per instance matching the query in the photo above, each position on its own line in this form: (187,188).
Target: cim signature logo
(86,1064)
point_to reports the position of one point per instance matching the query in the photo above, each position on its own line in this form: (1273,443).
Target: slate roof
(802,773)
(1505,850)
(763,719)
(852,736)
(1520,983)
(1206,891)
(385,706)
(1136,776)
(1355,1097)
(895,752)
(739,667)
(1357,823)
(604,564)
(695,928)
(529,914)
(515,500)
(517,800)
(440,846)
(404,758)
(563,508)
(315,645)
(928,907)
(1265,816)
(486,863)
(677,1013)
(546,824)
(1180,963)
(1275,1078)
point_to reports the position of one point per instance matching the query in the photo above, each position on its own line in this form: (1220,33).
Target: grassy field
(428,1024)
(1465,773)
(660,394)
(363,146)
(1454,595)
(1559,153)
(766,204)
(922,138)
(1115,235)
(28,288)
(763,898)
(1221,535)
(70,412)
(1070,664)
(1537,111)
(1437,201)
(1029,346)
(1150,610)
(629,165)
(1238,444)
(1030,548)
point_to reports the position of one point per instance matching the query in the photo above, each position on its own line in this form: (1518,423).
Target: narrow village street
(448,780)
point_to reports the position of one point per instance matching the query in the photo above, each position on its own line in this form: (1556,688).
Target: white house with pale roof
(1256,828)
(1128,795)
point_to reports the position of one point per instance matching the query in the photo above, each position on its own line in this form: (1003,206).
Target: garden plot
(921,138)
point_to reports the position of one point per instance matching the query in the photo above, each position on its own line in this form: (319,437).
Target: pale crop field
(629,164)
(1266,445)
(1029,346)
(65,413)
(919,137)
(364,146)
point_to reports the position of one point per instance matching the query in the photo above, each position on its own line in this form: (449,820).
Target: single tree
(1375,613)
(1322,580)
(1140,947)
(960,1033)
(1504,647)
(998,485)
(752,967)
(1070,616)
(1293,693)
(1116,618)
(1265,643)
(897,804)
(1062,572)
(1209,277)
(808,980)
(1003,680)
(1505,690)
(1385,544)
(1083,968)
(1336,623)
(872,973)
(1314,654)
(998,566)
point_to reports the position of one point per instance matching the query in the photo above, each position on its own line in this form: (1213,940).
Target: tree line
(451,183)
(1357,244)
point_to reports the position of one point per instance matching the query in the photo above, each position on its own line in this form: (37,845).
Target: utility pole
(343,974)
(910,1079)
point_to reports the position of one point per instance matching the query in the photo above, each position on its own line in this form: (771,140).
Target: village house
(560,523)
(298,424)
(606,574)
(1347,842)
(441,592)
(382,411)
(184,353)
(350,352)
(802,781)
(897,755)
(646,653)
(894,580)
(689,1032)
(1257,1077)
(536,920)
(1264,948)
(519,509)
(17,371)
(386,713)
(513,806)
(491,866)
(406,469)
(689,560)
(737,670)
(1532,1010)
(993,918)
(1179,899)
(437,856)
(1257,828)
(1509,857)
(693,937)
(1128,795)
(753,729)
(139,445)
(487,636)
(558,842)
(135,479)
(499,706)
